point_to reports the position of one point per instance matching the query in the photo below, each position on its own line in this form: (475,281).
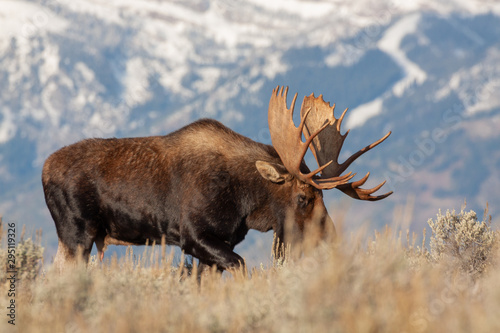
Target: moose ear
(273,172)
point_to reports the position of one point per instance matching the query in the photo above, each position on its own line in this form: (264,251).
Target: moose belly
(108,240)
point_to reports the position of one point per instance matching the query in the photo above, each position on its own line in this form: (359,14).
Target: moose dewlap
(201,187)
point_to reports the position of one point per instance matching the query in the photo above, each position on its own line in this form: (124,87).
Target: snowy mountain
(427,70)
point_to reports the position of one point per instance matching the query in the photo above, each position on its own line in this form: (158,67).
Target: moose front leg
(212,251)
(279,242)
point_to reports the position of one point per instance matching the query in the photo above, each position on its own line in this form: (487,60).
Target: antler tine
(329,183)
(284,135)
(287,140)
(341,119)
(292,107)
(353,190)
(354,156)
(322,132)
(327,144)
(324,183)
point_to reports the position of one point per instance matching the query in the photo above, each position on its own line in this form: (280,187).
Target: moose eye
(302,200)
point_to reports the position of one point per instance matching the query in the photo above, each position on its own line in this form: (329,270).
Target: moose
(201,187)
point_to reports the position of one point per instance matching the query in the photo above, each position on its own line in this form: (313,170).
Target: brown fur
(198,187)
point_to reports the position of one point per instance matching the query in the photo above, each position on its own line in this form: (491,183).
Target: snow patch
(25,19)
(87,74)
(483,128)
(487,98)
(362,113)
(136,82)
(53,112)
(273,66)
(232,116)
(390,43)
(444,91)
(8,128)
(51,63)
(209,77)
(304,9)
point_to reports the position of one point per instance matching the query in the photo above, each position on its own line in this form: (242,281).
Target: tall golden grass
(383,283)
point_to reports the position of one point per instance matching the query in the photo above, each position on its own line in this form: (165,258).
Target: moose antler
(287,140)
(327,143)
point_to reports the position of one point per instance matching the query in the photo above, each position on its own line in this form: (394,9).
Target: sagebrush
(382,284)
(462,242)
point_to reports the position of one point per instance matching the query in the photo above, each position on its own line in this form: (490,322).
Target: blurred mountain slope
(426,70)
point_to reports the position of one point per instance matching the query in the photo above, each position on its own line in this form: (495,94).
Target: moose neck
(265,200)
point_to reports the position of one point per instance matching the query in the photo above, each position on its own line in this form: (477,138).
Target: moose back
(200,188)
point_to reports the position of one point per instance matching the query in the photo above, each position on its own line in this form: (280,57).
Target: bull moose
(201,187)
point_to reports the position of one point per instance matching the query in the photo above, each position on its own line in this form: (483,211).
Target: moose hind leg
(76,238)
(63,257)
(68,256)
(72,207)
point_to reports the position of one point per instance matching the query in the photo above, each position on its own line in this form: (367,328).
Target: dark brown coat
(202,188)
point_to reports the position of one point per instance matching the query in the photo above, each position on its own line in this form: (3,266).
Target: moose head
(321,131)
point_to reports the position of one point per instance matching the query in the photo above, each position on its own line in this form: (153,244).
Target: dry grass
(381,284)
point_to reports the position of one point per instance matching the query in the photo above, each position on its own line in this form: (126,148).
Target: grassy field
(382,283)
